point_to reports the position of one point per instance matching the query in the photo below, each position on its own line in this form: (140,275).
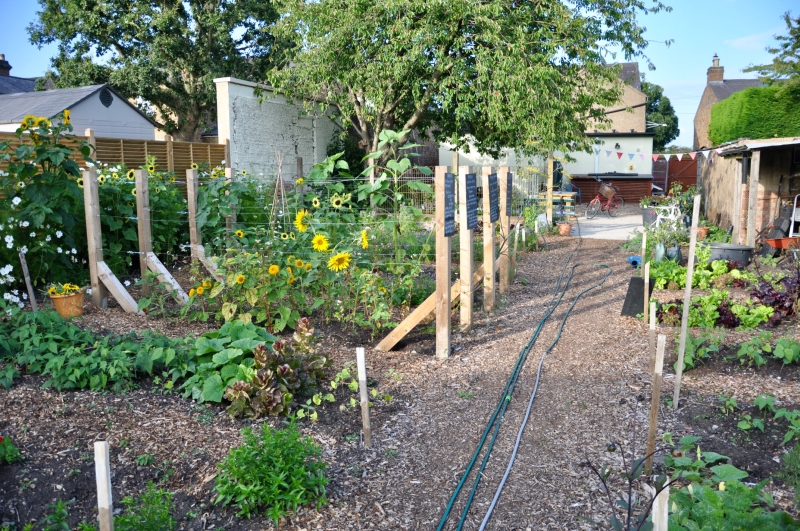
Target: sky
(737,30)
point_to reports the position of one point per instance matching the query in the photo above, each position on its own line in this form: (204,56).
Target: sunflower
(315,202)
(336,201)
(299,180)
(51,291)
(289,269)
(191,292)
(339,262)
(172,179)
(300,220)
(133,191)
(131,174)
(23,126)
(320,243)
(151,168)
(244,172)
(240,279)
(200,290)
(115,176)
(298,263)
(290,259)
(274,269)
(240,233)
(101,179)
(284,236)
(80,182)
(194,165)
(207,284)
(214,175)
(66,116)
(308,266)
(364,239)
(291,279)
(291,236)
(20,184)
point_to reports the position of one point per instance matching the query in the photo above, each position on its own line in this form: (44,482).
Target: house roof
(13,84)
(745,144)
(630,75)
(48,103)
(730,86)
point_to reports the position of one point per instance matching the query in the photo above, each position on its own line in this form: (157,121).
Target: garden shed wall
(260,131)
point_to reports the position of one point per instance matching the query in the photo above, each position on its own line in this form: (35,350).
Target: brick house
(11,84)
(717,89)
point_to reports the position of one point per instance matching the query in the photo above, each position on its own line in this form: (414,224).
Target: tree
(164,55)
(659,110)
(785,66)
(525,75)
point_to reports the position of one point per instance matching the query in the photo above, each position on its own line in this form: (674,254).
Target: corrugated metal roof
(771,142)
(12,84)
(731,86)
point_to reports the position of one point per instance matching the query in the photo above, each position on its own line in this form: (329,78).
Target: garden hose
(505,398)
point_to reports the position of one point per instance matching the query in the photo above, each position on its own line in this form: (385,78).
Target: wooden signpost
(467,214)
(655,401)
(28,285)
(102,470)
(505,181)
(651,353)
(443,247)
(490,208)
(195,239)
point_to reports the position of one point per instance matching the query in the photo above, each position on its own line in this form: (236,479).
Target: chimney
(716,72)
(5,68)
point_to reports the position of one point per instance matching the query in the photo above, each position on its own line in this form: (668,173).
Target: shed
(745,183)
(97,107)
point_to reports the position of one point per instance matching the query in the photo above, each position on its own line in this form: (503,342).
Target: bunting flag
(719,151)
(641,156)
(693,154)
(705,153)
(597,151)
(608,153)
(630,156)
(619,154)
(655,157)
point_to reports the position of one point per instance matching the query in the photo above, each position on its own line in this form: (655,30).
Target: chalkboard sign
(509,190)
(494,198)
(471,187)
(449,204)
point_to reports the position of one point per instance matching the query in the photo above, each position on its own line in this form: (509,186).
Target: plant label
(494,198)
(449,204)
(472,200)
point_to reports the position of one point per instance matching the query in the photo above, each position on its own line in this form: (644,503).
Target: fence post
(171,154)
(361,365)
(655,401)
(143,222)
(94,238)
(227,153)
(89,134)
(102,470)
(442,268)
(505,229)
(465,250)
(192,190)
(229,220)
(549,196)
(646,277)
(488,243)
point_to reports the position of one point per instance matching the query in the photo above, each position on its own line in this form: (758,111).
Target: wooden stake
(651,353)
(488,244)
(661,510)
(143,223)
(517,226)
(465,252)
(655,401)
(644,249)
(94,236)
(362,388)
(647,292)
(231,219)
(28,284)
(192,189)
(505,227)
(102,470)
(299,168)
(171,153)
(549,197)
(442,271)
(687,300)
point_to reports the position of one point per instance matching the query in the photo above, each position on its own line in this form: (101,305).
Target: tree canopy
(164,55)
(785,66)
(525,75)
(659,110)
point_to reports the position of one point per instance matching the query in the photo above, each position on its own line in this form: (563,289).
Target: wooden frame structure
(198,252)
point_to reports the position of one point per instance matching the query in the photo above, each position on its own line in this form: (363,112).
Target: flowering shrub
(57,290)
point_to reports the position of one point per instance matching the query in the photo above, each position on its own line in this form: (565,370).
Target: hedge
(755,113)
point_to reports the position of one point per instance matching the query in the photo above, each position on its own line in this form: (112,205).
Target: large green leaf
(728,473)
(224,356)
(213,389)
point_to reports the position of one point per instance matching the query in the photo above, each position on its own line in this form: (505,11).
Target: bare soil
(423,438)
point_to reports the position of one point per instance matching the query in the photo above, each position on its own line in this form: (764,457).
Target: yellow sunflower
(240,233)
(299,180)
(290,259)
(336,201)
(194,165)
(291,279)
(207,284)
(315,202)
(24,126)
(320,243)
(274,269)
(101,179)
(300,220)
(240,279)
(52,291)
(191,292)
(151,168)
(66,116)
(80,182)
(298,263)
(131,174)
(291,236)
(172,179)
(200,290)
(133,191)
(338,262)
(308,266)
(115,176)
(284,236)
(244,172)
(289,269)
(364,240)
(214,175)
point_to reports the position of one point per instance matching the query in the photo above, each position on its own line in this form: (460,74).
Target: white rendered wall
(640,147)
(258,132)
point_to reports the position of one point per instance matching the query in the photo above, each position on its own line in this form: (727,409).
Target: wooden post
(455,162)
(488,243)
(549,197)
(519,225)
(644,249)
(661,510)
(752,198)
(192,188)
(442,269)
(171,154)
(102,470)
(90,139)
(651,352)
(227,153)
(94,237)
(299,168)
(465,250)
(361,364)
(229,220)
(143,215)
(646,292)
(655,401)
(687,300)
(505,229)
(26,274)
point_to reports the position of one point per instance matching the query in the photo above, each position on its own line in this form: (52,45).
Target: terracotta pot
(702,233)
(68,305)
(564,229)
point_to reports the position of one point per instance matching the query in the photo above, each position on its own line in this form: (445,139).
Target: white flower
(21,305)
(24,249)
(25,296)
(7,296)
(48,238)
(59,234)
(127,283)
(9,238)
(25,224)
(74,251)
(2,227)
(59,250)
(33,234)
(89,291)
(16,201)
(6,269)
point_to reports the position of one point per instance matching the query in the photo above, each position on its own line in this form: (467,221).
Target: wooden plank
(488,244)
(661,510)
(655,401)
(192,188)
(465,252)
(164,276)
(116,289)
(209,265)
(752,198)
(646,301)
(94,236)
(102,471)
(549,205)
(28,285)
(361,367)
(505,231)
(442,294)
(687,299)
(143,225)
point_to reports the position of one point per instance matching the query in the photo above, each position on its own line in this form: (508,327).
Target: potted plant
(702,230)
(67,299)
(564,225)
(648,212)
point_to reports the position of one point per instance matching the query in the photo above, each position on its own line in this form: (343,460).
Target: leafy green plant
(8,452)
(787,350)
(765,402)
(57,519)
(752,352)
(150,512)
(699,348)
(144,459)
(748,422)
(790,471)
(729,404)
(275,471)
(793,418)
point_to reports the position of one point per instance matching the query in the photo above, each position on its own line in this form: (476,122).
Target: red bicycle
(607,200)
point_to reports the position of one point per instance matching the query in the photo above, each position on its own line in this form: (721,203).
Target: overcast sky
(737,30)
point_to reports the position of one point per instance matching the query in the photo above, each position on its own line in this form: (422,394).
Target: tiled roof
(730,86)
(630,75)
(12,84)
(47,103)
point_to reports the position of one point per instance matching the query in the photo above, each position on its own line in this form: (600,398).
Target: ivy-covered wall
(755,113)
